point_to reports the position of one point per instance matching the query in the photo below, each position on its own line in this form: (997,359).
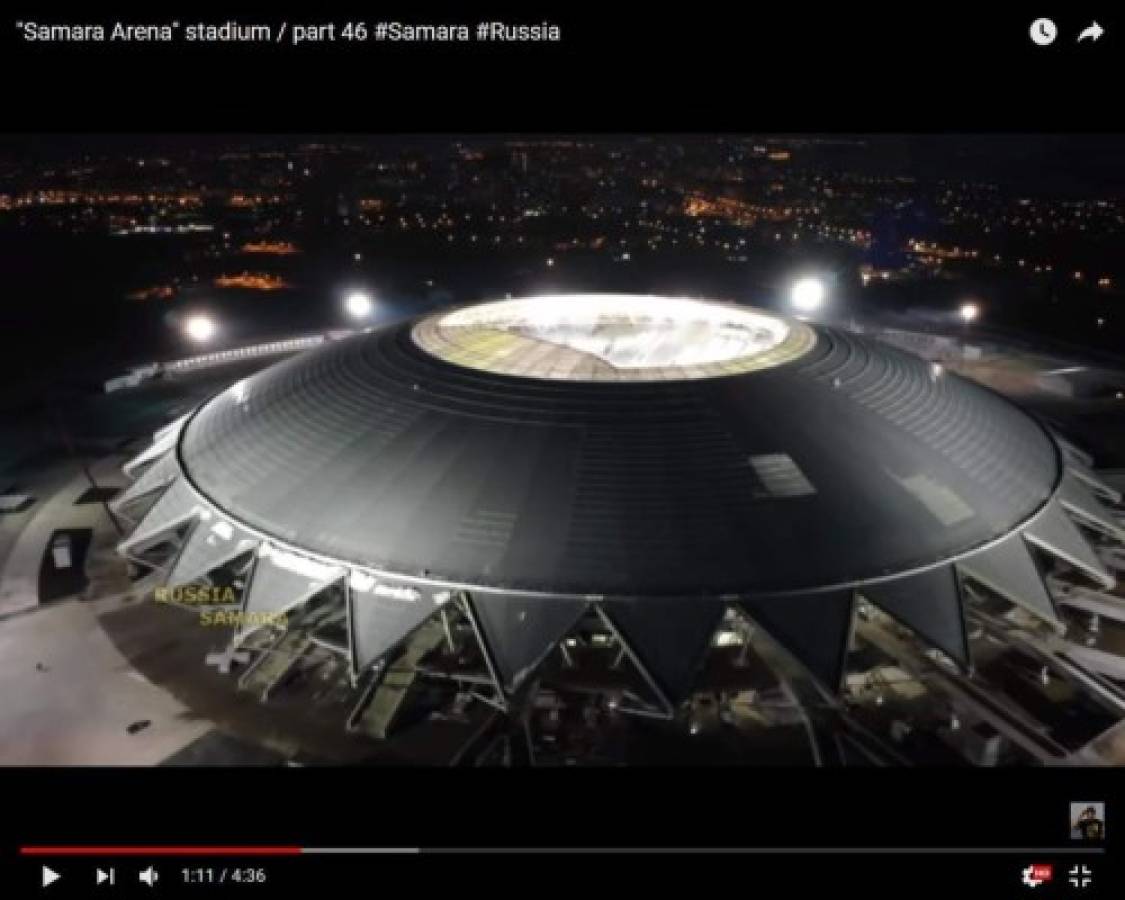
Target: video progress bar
(164,850)
(745,851)
(289,850)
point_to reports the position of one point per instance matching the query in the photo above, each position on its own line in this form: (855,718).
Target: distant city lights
(359,304)
(200,328)
(807,294)
(969,312)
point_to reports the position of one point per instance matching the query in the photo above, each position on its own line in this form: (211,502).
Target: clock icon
(1043,32)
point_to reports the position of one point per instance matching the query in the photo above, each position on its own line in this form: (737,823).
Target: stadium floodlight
(969,312)
(358,304)
(807,294)
(200,328)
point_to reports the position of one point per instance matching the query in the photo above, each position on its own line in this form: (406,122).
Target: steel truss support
(449,642)
(668,708)
(191,521)
(377,671)
(500,701)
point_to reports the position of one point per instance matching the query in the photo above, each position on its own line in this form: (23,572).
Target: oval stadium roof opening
(612,337)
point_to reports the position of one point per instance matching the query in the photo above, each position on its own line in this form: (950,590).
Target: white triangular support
(1098,487)
(177,506)
(1080,501)
(382,611)
(279,582)
(1071,453)
(1009,570)
(1053,532)
(172,430)
(155,478)
(153,452)
(211,544)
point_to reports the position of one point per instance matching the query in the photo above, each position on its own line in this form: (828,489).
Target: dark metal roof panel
(928,603)
(670,635)
(521,631)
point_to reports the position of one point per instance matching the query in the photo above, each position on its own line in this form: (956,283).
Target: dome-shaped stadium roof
(850,462)
(630,447)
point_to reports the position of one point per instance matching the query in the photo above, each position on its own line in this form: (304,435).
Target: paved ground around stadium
(70,698)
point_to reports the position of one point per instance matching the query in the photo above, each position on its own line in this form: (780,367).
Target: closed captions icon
(1043,32)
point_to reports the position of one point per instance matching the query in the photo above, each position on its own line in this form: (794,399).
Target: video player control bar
(288,850)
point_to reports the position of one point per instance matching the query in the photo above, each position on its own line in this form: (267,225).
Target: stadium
(622,498)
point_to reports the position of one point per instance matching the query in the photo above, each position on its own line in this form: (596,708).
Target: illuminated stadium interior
(612,337)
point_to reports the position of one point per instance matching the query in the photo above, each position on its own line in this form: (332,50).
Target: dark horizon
(1048,163)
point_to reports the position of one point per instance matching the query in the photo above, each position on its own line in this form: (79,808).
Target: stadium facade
(653,461)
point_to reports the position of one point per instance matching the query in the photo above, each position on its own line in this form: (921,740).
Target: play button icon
(50,876)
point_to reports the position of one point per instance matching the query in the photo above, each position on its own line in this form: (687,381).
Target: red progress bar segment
(160,851)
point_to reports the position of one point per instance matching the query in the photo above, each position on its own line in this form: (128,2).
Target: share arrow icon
(1093,31)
